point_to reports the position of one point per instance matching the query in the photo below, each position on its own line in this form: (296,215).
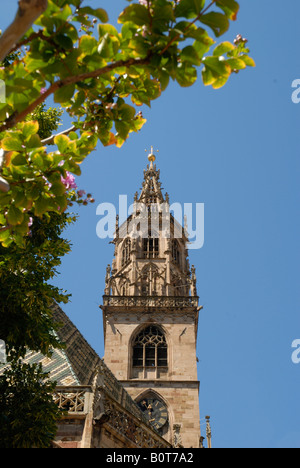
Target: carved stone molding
(71,400)
(130,428)
(121,418)
(144,302)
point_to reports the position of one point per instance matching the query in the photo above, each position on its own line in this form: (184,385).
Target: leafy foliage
(48,119)
(28,414)
(25,294)
(100,75)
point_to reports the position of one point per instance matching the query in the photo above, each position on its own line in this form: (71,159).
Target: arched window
(150,349)
(126,251)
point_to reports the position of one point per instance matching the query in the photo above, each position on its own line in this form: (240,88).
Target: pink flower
(43,90)
(69,181)
(81,193)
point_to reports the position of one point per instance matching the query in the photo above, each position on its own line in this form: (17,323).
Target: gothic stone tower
(150,313)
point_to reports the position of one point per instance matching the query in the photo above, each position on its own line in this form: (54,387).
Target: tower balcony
(151,301)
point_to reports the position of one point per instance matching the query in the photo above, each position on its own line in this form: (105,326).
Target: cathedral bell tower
(150,314)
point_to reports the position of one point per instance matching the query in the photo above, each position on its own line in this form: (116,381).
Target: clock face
(155,411)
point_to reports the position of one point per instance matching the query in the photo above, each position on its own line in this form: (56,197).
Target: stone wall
(177,385)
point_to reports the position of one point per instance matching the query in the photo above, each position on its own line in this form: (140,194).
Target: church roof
(71,366)
(81,356)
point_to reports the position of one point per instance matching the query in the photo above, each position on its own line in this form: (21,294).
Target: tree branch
(50,140)
(19,117)
(28,12)
(4,186)
(27,40)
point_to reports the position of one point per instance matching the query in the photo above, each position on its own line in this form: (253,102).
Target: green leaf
(186,75)
(79,99)
(223,48)
(62,203)
(88,44)
(218,66)
(108,46)
(216,72)
(230,7)
(34,192)
(38,161)
(64,41)
(14,216)
(62,142)
(220,82)
(236,64)
(164,79)
(33,64)
(218,22)
(12,143)
(64,94)
(189,8)
(4,235)
(58,188)
(30,128)
(19,160)
(122,129)
(248,60)
(42,205)
(107,29)
(127,112)
(137,14)
(163,14)
(4,199)
(103,49)
(33,142)
(100,13)
(189,54)
(20,200)
(73,167)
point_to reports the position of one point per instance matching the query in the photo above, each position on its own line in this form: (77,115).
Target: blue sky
(237,150)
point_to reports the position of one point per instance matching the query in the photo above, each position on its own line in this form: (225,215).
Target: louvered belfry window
(126,252)
(151,247)
(150,349)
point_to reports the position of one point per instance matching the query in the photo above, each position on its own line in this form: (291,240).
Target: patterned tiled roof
(73,365)
(83,359)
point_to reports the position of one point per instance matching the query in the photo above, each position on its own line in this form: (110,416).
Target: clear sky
(237,150)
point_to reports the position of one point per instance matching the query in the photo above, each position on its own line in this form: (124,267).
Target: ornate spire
(151,190)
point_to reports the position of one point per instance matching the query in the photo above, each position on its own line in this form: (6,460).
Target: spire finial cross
(151,155)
